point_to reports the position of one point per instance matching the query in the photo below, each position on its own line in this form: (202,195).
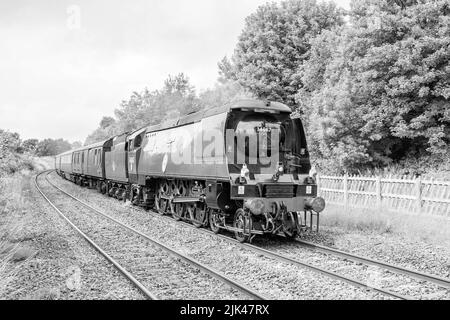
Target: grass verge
(13,208)
(427,228)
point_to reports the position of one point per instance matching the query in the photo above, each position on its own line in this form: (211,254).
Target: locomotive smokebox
(316,204)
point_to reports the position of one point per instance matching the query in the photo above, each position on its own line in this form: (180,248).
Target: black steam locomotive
(242,167)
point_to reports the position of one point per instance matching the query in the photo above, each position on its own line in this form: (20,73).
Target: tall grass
(428,228)
(7,271)
(12,207)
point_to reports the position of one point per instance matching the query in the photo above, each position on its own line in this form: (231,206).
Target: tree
(377,91)
(30,145)
(224,92)
(51,147)
(9,142)
(10,146)
(275,41)
(404,74)
(106,122)
(176,98)
(76,145)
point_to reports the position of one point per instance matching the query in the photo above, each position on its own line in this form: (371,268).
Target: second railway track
(160,272)
(440,281)
(297,262)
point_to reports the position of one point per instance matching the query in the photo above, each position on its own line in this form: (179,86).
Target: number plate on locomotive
(308,189)
(241,190)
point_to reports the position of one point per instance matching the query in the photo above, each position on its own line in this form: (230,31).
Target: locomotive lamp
(313,173)
(311,178)
(245,173)
(279,172)
(316,204)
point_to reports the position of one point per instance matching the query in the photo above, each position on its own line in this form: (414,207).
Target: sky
(66,64)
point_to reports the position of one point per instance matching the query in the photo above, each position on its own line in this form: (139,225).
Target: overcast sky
(65,64)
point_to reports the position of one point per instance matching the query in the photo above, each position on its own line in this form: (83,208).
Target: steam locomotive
(242,167)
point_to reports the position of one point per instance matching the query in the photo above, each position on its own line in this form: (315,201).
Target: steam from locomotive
(242,167)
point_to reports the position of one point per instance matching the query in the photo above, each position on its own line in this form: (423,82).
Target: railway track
(300,263)
(144,261)
(442,282)
(276,256)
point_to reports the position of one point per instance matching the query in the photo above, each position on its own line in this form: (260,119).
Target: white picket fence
(397,194)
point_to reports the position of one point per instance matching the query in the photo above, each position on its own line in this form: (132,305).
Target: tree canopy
(176,98)
(372,85)
(51,147)
(377,91)
(274,42)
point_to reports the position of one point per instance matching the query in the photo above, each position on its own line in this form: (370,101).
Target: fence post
(346,190)
(419,194)
(378,191)
(318,184)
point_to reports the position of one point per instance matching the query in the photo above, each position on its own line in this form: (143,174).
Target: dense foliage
(275,41)
(10,150)
(16,154)
(51,147)
(176,98)
(378,91)
(372,92)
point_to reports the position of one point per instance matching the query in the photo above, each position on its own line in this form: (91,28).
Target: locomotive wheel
(200,215)
(163,206)
(178,209)
(134,197)
(160,204)
(121,194)
(157,199)
(290,226)
(111,191)
(214,221)
(181,188)
(242,221)
(104,187)
(191,210)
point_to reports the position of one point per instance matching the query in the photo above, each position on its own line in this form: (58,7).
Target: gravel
(274,279)
(61,264)
(388,247)
(373,275)
(161,273)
